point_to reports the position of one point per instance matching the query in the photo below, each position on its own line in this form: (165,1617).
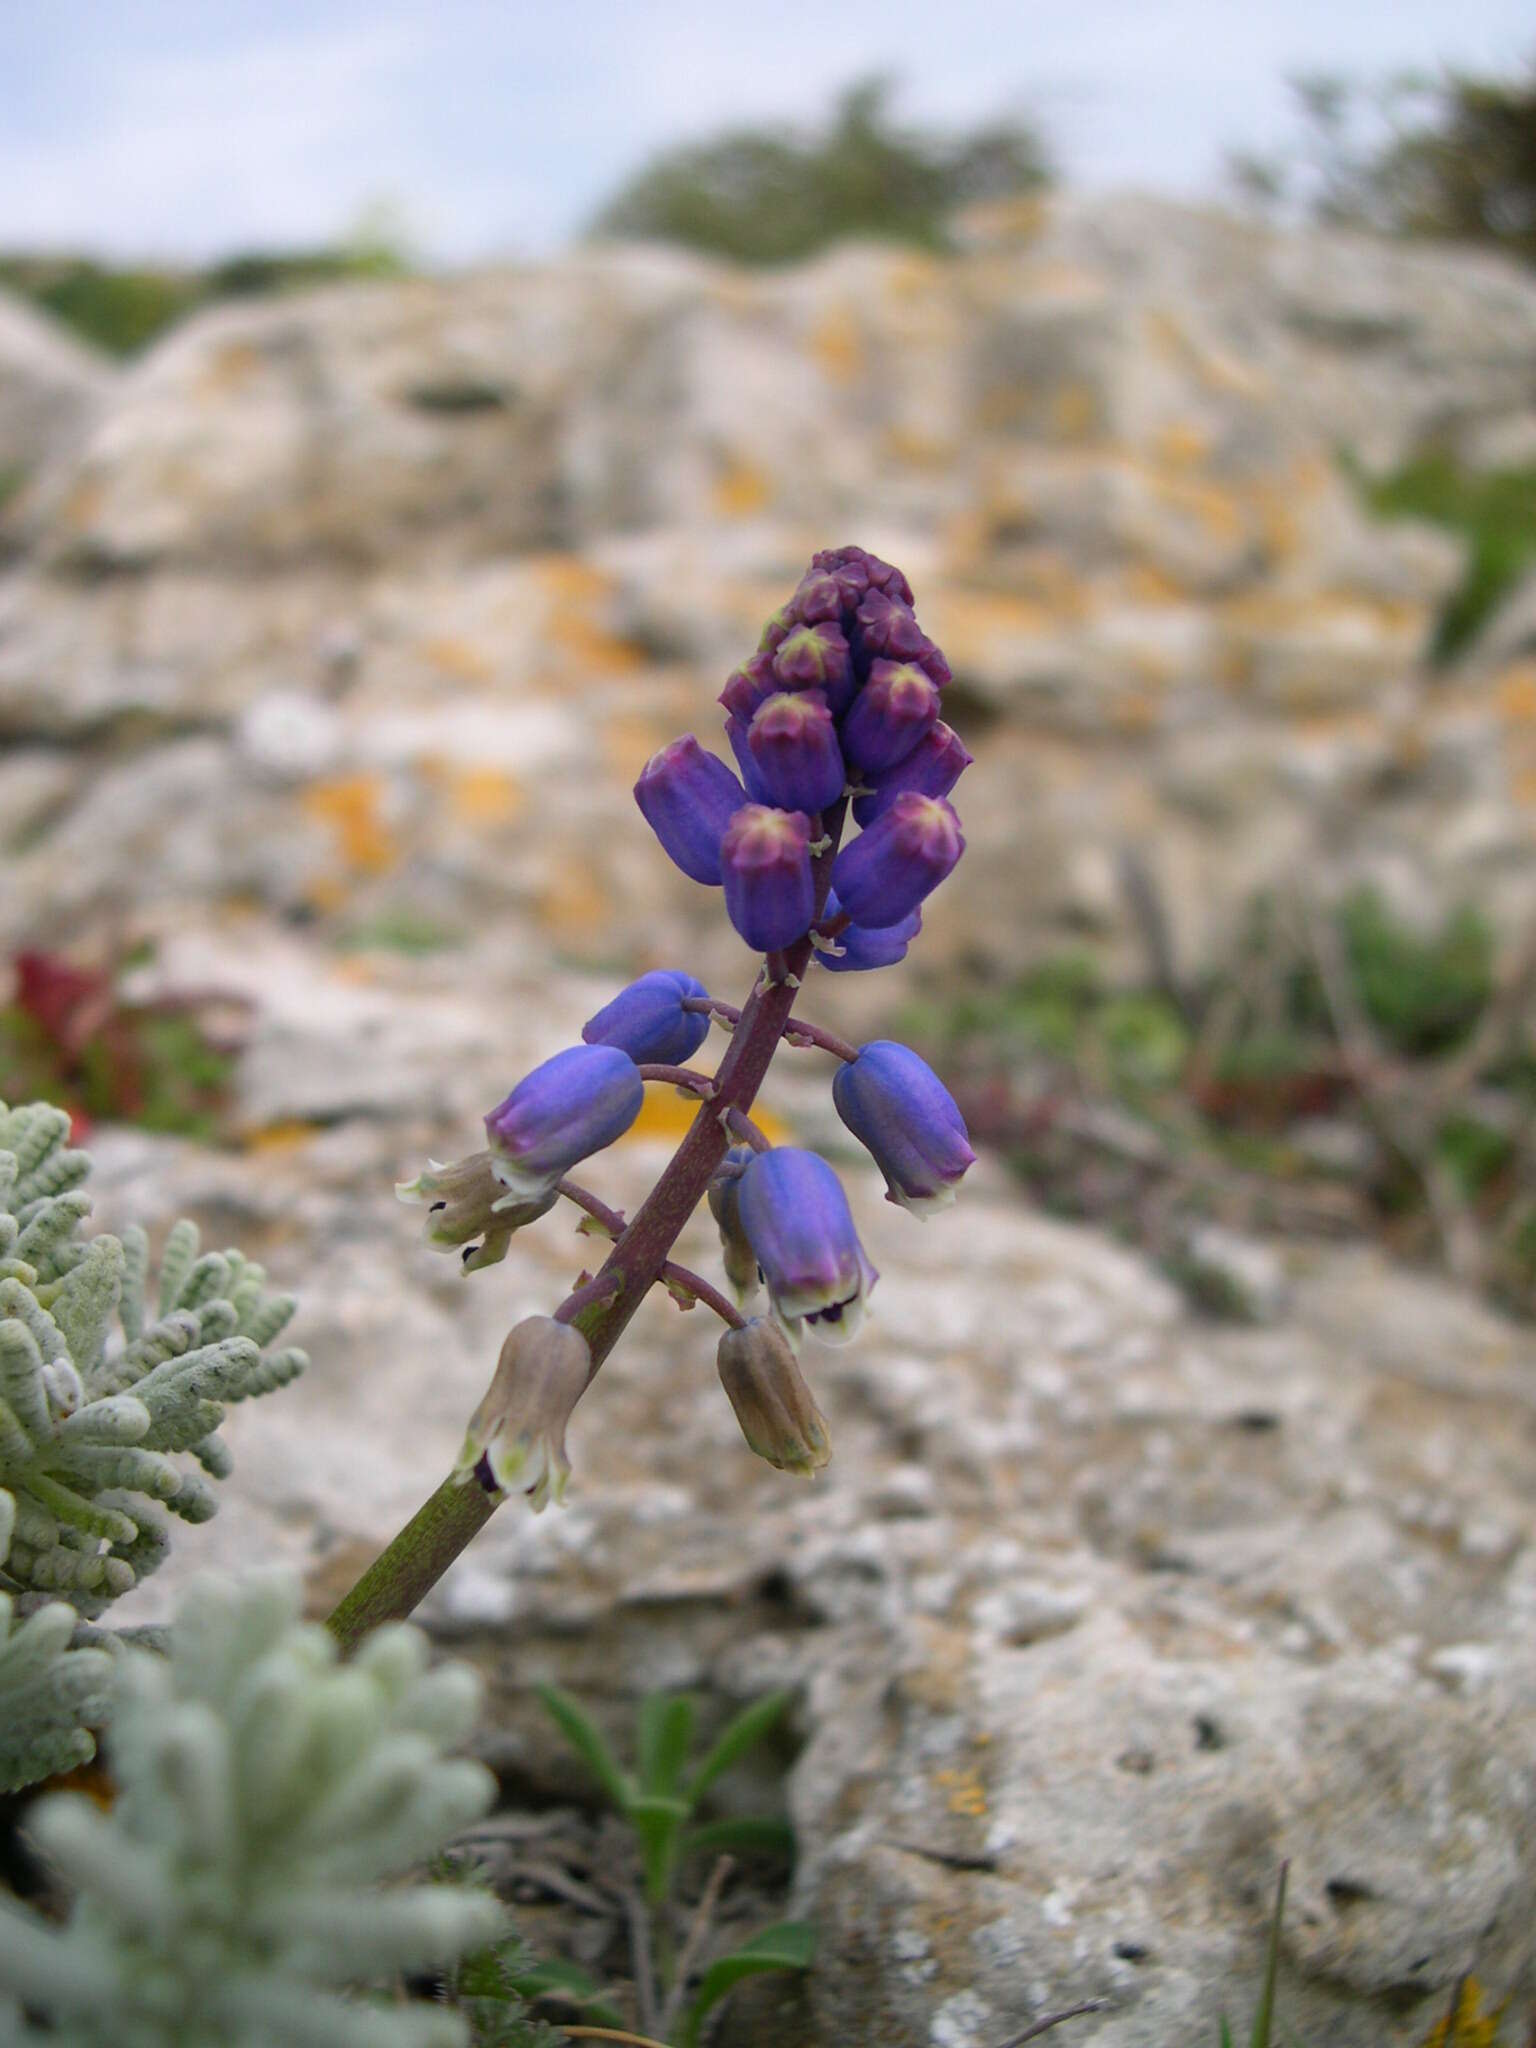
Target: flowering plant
(836,714)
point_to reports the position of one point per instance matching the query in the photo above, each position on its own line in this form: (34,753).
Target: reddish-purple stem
(405,1572)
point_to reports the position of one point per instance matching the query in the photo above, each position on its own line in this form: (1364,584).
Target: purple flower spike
(856,950)
(796,1219)
(765,863)
(575,1104)
(647,1020)
(687,798)
(856,572)
(890,715)
(747,686)
(932,768)
(794,744)
(817,658)
(898,860)
(895,1103)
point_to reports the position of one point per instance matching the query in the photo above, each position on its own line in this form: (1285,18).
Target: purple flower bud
(687,796)
(817,597)
(776,1409)
(647,1020)
(932,768)
(747,686)
(794,744)
(857,572)
(890,715)
(515,1441)
(898,860)
(737,1256)
(576,1103)
(765,863)
(895,1103)
(855,949)
(736,730)
(887,626)
(782,623)
(796,1218)
(817,658)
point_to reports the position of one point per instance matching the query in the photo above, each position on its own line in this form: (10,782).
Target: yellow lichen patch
(574,905)
(230,368)
(629,742)
(1219,512)
(575,592)
(966,1793)
(1469,2024)
(740,490)
(1516,694)
(838,346)
(352,805)
(1075,412)
(1182,444)
(82,505)
(668,1113)
(920,450)
(1145,583)
(285,1136)
(457,659)
(483,796)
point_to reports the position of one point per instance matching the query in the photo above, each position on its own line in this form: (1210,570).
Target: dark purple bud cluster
(841,700)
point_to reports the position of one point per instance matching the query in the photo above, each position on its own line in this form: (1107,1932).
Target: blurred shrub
(1494,511)
(764,195)
(122,310)
(1451,157)
(68,1033)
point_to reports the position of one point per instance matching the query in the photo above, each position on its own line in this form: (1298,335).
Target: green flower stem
(401,1577)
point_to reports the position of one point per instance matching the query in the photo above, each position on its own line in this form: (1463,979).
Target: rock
(1510,635)
(50,388)
(1230,1275)
(1099,1612)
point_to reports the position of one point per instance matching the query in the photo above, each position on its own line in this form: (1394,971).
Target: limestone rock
(50,388)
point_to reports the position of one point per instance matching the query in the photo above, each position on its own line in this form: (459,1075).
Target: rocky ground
(345,622)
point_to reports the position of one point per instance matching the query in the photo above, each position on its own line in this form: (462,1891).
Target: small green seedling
(1264,2013)
(659,1799)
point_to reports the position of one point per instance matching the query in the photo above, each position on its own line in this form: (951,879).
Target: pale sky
(188,128)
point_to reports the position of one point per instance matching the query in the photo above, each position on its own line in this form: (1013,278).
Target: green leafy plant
(266,1792)
(111,1397)
(1493,511)
(659,1800)
(1264,2012)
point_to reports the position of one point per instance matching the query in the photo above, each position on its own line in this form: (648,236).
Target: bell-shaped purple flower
(737,1255)
(736,730)
(817,658)
(856,949)
(647,1020)
(794,743)
(895,1103)
(898,704)
(897,860)
(687,797)
(747,686)
(575,1104)
(765,864)
(797,1222)
(932,768)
